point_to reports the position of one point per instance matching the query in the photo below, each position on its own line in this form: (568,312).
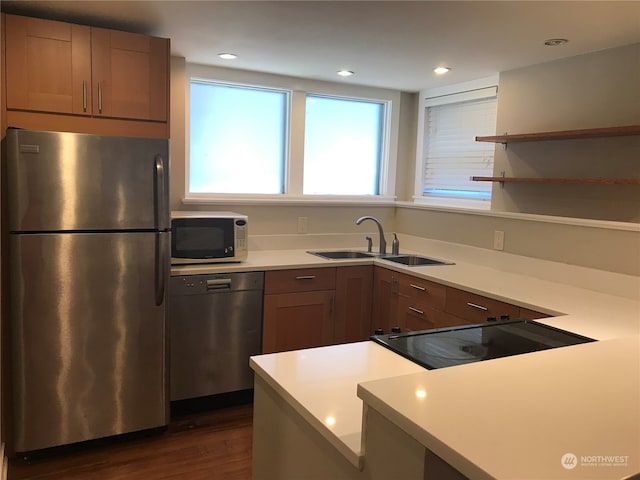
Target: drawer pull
(306,277)
(418,287)
(479,307)
(415,310)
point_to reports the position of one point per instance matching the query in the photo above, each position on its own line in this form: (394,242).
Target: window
(343,146)
(450,154)
(238,139)
(260,138)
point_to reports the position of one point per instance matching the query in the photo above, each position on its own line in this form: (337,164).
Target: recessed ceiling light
(441,70)
(345,73)
(227,56)
(556,42)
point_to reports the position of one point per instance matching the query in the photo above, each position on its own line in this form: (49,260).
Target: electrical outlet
(303,223)
(498,240)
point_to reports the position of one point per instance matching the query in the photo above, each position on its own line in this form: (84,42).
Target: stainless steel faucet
(383,242)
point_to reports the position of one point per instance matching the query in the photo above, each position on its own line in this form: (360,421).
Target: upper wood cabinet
(3,100)
(73,69)
(129,73)
(48,65)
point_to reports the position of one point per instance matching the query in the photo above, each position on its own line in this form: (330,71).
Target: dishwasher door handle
(219,284)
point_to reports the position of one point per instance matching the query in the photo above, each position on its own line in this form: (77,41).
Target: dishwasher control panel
(231,282)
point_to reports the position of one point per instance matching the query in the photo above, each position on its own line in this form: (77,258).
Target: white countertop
(320,384)
(516,417)
(572,398)
(592,313)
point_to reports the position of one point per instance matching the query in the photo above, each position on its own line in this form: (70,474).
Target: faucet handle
(369,244)
(395,245)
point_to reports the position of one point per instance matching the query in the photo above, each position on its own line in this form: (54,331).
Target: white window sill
(449,202)
(338,200)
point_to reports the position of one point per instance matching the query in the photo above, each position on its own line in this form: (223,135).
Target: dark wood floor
(212,445)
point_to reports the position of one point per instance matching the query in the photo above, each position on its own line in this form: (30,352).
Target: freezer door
(69,181)
(88,336)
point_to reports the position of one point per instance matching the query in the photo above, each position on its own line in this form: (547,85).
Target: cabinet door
(353,304)
(293,321)
(385,299)
(3,97)
(48,66)
(130,75)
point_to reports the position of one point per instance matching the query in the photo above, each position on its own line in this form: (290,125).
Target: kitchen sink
(416,260)
(342,254)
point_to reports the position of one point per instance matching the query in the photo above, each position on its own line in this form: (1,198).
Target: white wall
(614,249)
(600,89)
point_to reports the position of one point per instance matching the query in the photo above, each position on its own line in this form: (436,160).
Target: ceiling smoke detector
(556,42)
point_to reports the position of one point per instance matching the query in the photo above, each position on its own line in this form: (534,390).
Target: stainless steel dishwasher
(216,325)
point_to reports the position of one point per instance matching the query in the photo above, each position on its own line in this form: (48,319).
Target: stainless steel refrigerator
(89,258)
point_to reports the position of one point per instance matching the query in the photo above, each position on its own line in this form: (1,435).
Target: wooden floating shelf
(584,181)
(564,135)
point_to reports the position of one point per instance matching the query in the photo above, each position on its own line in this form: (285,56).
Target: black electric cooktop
(446,347)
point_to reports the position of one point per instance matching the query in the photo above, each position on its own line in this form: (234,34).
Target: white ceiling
(391,44)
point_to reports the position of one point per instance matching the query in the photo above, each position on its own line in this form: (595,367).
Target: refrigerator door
(70,181)
(89,336)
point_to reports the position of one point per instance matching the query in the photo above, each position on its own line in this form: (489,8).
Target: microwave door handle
(161,213)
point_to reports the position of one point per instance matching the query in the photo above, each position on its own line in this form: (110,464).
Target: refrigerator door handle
(162,253)
(161,194)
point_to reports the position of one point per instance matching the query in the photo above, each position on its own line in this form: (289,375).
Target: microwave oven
(208,237)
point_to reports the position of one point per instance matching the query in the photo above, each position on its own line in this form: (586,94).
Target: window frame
(384,141)
(286,140)
(299,89)
(457,93)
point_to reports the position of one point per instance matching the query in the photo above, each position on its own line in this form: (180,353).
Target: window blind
(451,154)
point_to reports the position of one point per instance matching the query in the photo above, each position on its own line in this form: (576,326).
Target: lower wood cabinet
(385,299)
(297,320)
(312,307)
(354,291)
(411,303)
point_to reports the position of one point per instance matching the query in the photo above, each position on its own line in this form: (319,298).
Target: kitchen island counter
(508,418)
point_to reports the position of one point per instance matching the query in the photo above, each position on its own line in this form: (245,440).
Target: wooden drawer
(476,308)
(414,315)
(531,314)
(299,280)
(427,293)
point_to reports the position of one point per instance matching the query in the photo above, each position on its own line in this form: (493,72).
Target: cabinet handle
(415,310)
(84,95)
(99,97)
(479,307)
(418,287)
(306,277)
(333,304)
